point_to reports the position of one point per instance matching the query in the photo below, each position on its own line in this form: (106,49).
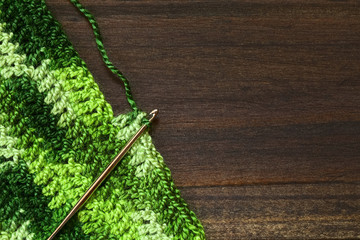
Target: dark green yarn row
(38,34)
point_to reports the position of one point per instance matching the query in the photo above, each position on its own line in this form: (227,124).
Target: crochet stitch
(57,134)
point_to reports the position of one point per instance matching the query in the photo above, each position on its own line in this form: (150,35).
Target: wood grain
(293,211)
(259,101)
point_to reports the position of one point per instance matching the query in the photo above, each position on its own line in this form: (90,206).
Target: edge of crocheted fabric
(57,133)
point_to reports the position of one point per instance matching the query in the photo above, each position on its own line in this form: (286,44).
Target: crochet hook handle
(103,175)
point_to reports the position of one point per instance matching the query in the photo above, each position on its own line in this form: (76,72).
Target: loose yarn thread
(100,45)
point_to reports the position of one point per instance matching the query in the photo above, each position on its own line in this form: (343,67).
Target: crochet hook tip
(153,114)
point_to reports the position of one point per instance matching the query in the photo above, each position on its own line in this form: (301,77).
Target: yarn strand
(108,63)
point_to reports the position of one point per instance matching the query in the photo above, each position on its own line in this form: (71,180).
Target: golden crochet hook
(103,175)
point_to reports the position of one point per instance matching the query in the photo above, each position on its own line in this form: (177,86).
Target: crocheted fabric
(57,134)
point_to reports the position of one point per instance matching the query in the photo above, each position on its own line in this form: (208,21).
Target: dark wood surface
(259,105)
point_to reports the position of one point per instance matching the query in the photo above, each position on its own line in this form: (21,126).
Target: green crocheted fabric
(57,134)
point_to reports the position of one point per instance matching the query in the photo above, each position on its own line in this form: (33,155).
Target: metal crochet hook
(103,175)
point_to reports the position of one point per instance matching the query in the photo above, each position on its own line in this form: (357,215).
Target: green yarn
(104,55)
(57,133)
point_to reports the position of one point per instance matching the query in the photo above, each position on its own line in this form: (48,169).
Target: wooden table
(259,101)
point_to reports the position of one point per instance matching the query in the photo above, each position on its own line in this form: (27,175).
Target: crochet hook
(103,175)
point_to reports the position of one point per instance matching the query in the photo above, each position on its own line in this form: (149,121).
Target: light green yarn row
(8,149)
(16,232)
